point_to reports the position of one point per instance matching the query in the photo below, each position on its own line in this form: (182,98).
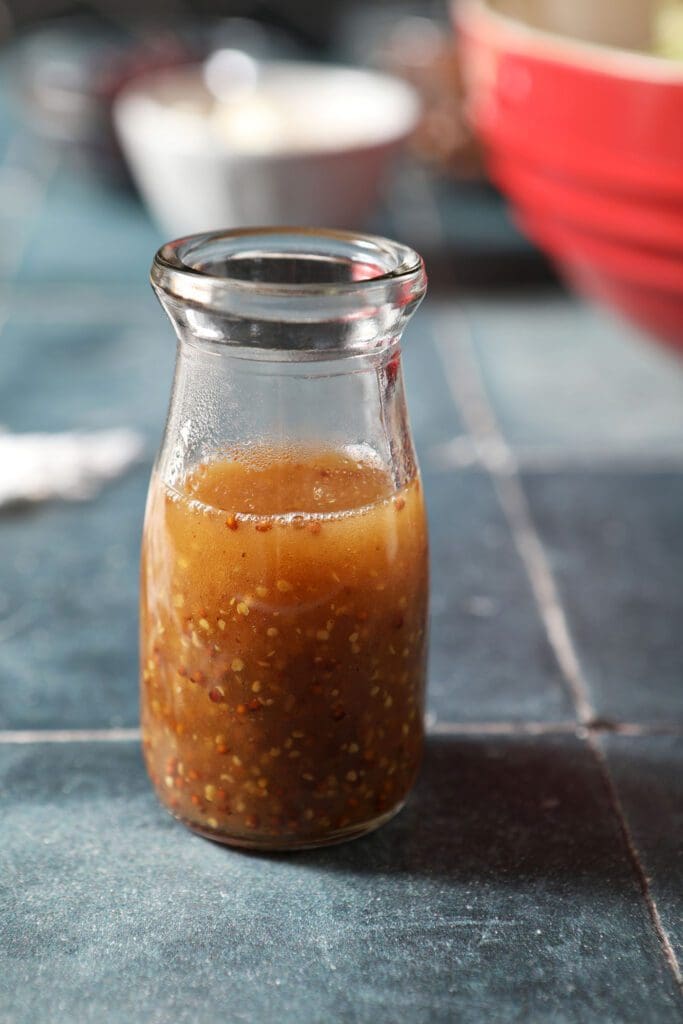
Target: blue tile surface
(490,659)
(68,611)
(88,233)
(616,545)
(433,415)
(86,375)
(455,911)
(572,378)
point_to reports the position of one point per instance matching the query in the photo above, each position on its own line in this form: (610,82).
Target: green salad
(668,30)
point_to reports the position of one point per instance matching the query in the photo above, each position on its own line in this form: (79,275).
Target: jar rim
(175,263)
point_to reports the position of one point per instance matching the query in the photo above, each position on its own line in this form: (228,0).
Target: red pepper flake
(399,503)
(314,527)
(193,775)
(264,527)
(217,695)
(179,782)
(254,704)
(222,748)
(194,800)
(198,678)
(338,712)
(241,709)
(182,671)
(298,522)
(392,368)
(231,522)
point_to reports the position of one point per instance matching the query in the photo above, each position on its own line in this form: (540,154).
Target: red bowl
(547,93)
(593,168)
(659,313)
(645,285)
(586,140)
(644,221)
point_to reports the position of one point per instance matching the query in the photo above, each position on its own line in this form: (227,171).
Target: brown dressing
(284,608)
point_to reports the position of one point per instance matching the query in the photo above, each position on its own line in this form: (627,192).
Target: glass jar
(284,565)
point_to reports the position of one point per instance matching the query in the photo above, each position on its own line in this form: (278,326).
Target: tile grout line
(469,394)
(24,737)
(462,452)
(434,728)
(521,728)
(525,727)
(636,863)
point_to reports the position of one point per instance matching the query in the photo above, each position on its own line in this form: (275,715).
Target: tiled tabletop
(537,872)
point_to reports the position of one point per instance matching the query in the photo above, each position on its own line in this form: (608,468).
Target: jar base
(271,844)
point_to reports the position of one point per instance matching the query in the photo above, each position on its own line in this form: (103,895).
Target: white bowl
(309,145)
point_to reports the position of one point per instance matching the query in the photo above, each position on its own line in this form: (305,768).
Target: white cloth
(69,466)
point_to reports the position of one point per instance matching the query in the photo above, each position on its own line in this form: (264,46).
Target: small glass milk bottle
(284,569)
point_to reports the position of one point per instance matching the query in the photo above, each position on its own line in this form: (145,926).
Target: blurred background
(197,114)
(177,114)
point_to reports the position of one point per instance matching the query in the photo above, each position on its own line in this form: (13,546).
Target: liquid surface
(284,605)
(264,483)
